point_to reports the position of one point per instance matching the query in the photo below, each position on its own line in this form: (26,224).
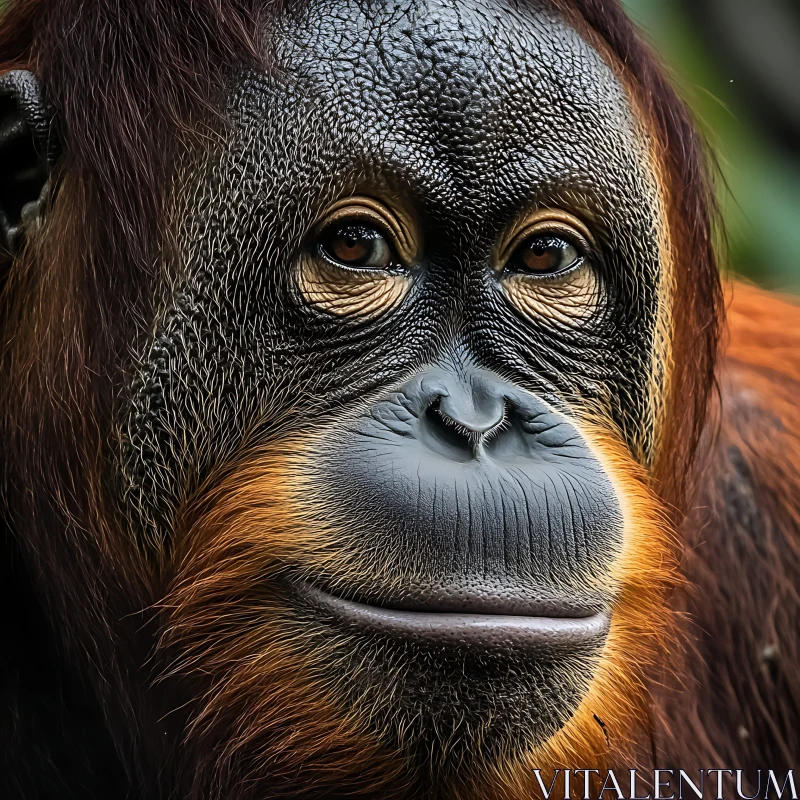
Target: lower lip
(456,629)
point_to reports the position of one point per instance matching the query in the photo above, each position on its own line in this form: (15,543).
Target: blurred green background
(737,63)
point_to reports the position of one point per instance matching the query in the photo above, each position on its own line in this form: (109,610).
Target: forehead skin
(466,113)
(480,108)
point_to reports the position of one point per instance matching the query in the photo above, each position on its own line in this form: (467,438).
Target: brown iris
(356,245)
(545,254)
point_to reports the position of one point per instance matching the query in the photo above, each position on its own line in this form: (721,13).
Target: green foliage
(760,191)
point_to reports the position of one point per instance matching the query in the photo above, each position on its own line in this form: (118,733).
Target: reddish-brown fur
(69,310)
(738,703)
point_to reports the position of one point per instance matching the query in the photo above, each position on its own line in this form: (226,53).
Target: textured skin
(469,115)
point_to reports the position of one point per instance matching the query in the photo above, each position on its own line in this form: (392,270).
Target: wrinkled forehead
(476,79)
(484,105)
(460,60)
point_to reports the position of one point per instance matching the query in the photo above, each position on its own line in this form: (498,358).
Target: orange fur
(737,695)
(223,620)
(270,676)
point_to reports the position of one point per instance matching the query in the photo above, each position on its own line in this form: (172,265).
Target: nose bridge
(473,400)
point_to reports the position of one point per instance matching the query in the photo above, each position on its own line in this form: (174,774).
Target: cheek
(570,302)
(349,293)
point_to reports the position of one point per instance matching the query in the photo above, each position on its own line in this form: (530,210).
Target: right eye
(357,246)
(545,255)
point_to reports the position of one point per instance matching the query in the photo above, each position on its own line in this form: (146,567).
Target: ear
(27,153)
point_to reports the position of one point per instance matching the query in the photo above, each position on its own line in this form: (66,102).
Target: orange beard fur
(267,707)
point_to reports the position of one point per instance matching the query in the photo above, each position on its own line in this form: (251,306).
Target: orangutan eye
(545,254)
(357,246)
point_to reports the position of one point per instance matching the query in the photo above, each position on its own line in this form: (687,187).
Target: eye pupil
(545,255)
(349,247)
(356,245)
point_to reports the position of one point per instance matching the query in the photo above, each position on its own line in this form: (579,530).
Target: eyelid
(330,257)
(553,221)
(367,210)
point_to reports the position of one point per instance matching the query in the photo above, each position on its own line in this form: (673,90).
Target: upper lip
(470,619)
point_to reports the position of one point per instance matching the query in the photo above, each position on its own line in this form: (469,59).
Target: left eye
(356,246)
(545,254)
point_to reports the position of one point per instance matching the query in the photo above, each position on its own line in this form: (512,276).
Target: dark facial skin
(441,414)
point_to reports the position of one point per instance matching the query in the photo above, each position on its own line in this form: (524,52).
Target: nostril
(476,412)
(457,441)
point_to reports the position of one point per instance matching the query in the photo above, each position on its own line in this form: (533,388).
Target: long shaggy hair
(132,85)
(736,697)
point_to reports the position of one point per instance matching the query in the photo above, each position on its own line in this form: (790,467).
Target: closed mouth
(491,630)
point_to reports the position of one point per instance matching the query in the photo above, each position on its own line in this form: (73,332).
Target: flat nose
(457,412)
(474,406)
